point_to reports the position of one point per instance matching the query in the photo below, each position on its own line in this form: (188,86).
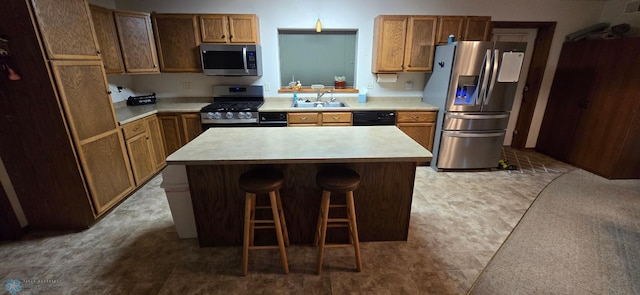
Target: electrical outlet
(186,85)
(370,84)
(267,86)
(408,85)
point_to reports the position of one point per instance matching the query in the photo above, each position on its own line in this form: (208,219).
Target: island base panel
(383,202)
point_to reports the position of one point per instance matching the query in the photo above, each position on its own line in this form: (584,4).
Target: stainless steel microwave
(231,60)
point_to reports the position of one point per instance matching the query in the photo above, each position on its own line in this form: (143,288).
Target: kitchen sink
(319,104)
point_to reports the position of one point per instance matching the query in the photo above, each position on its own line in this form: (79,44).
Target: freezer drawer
(475,121)
(470,150)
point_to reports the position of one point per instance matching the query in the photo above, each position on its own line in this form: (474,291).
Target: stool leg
(353,228)
(316,239)
(252,223)
(283,223)
(247,227)
(276,220)
(324,214)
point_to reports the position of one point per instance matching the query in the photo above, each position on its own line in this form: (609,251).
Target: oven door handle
(244,59)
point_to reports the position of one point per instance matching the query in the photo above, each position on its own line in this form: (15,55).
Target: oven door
(206,126)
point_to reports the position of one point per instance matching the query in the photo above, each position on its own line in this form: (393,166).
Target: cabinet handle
(136,129)
(414,117)
(336,117)
(303,118)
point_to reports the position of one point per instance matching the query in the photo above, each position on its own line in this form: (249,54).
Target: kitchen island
(384,157)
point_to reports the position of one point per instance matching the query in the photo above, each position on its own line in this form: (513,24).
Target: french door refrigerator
(474,84)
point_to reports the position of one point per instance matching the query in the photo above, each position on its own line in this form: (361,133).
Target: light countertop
(287,145)
(126,114)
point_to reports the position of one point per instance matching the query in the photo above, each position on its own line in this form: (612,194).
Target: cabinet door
(177,38)
(136,41)
(170,126)
(449,25)
(213,28)
(390,32)
(421,34)
(140,157)
(84,97)
(422,133)
(567,99)
(243,28)
(107,39)
(66,29)
(477,28)
(191,126)
(157,144)
(609,108)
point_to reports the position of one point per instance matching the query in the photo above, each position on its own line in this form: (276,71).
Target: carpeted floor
(580,236)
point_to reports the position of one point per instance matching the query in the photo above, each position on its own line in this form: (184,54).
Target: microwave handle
(244,59)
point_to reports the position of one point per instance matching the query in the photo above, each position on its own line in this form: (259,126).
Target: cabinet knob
(230,36)
(222,37)
(98,51)
(109,92)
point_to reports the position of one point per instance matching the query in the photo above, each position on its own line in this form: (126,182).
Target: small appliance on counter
(140,100)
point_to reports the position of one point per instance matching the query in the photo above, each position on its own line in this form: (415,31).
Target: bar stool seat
(263,181)
(337,180)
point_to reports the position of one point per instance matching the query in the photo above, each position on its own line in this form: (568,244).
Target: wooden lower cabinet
(178,129)
(319,119)
(420,126)
(145,147)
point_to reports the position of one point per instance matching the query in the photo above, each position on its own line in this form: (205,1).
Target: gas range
(232,106)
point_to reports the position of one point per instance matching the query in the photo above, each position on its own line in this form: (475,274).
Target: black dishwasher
(373,118)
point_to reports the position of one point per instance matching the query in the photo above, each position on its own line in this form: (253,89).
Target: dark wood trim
(9,225)
(534,78)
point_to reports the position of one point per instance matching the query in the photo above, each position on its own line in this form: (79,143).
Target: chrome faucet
(323,93)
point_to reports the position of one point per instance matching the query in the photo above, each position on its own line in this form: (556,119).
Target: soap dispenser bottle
(295,96)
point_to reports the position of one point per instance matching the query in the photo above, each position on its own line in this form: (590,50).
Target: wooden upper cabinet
(421,34)
(243,28)
(136,41)
(107,39)
(477,28)
(403,43)
(177,39)
(66,29)
(464,28)
(389,36)
(234,28)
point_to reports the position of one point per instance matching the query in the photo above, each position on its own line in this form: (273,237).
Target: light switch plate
(408,85)
(370,84)
(267,86)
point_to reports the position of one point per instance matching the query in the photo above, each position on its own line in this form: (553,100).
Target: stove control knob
(212,115)
(248,115)
(229,115)
(241,115)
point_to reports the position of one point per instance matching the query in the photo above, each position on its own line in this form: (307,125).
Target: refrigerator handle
(476,117)
(471,134)
(494,75)
(484,77)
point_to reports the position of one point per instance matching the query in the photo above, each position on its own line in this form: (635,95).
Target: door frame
(534,77)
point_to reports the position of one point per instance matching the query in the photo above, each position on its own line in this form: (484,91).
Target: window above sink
(317,58)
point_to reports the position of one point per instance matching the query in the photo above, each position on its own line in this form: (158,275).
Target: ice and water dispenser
(466,91)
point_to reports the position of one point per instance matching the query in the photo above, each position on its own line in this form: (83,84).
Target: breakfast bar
(384,156)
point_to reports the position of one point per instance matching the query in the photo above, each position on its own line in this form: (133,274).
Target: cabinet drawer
(342,117)
(306,118)
(416,117)
(134,128)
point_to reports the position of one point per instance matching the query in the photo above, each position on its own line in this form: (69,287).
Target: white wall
(359,14)
(612,13)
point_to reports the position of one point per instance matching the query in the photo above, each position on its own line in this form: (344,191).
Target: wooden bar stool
(337,180)
(263,181)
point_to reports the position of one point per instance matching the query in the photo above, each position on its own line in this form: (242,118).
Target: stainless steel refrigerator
(474,84)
